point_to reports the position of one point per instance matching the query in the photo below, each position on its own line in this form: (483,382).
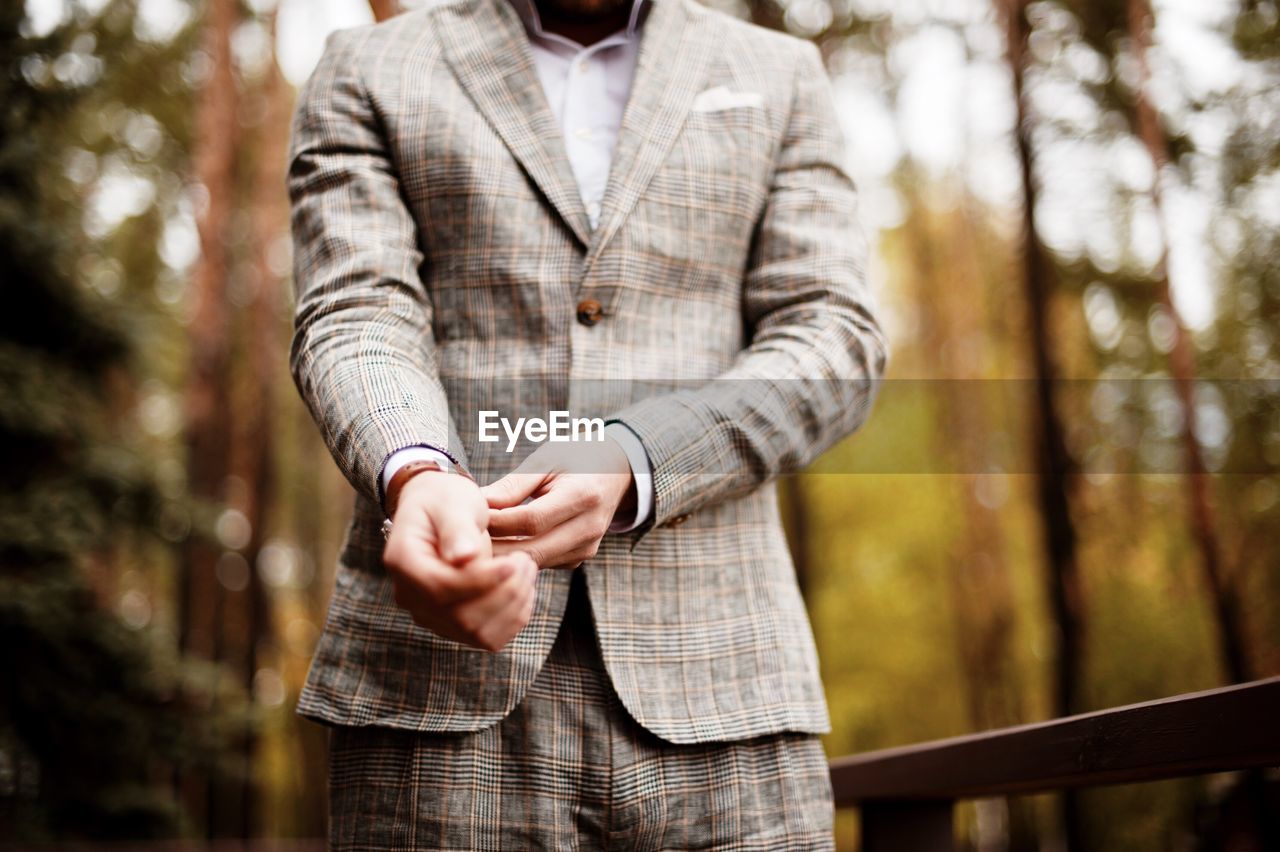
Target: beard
(582,9)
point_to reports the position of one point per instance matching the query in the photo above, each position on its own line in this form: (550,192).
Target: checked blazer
(441,253)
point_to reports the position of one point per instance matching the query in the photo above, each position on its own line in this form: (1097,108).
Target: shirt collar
(533,23)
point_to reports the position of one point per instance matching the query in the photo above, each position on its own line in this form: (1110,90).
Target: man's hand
(443,568)
(577,488)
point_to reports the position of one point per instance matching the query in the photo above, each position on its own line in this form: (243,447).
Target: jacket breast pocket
(702,205)
(724,156)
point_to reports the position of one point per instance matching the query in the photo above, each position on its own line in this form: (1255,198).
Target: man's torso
(700,622)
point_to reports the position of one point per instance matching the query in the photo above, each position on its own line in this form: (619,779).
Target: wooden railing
(906,795)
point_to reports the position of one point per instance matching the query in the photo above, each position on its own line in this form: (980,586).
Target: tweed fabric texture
(570,769)
(440,249)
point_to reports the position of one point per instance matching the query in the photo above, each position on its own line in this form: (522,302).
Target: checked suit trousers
(568,768)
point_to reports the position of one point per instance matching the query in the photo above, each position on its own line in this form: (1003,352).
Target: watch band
(403,475)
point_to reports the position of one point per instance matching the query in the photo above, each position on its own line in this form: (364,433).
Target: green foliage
(1257,29)
(95,715)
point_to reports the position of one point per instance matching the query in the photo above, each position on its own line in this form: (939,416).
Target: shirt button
(593,209)
(589,312)
(583,133)
(581,66)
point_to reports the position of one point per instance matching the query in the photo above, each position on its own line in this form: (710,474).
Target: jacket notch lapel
(486,46)
(671,67)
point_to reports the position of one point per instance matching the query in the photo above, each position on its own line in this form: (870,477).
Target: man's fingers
(567,544)
(512,489)
(517,614)
(526,520)
(488,620)
(447,584)
(505,547)
(491,615)
(544,513)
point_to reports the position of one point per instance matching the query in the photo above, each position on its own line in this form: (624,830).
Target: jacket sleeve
(363,354)
(810,372)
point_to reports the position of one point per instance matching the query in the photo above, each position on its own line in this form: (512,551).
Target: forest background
(1067,498)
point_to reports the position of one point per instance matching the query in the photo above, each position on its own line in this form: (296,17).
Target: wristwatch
(402,477)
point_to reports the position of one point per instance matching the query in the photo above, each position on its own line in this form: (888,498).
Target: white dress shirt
(587,89)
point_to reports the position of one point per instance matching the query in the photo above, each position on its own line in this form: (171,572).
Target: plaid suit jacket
(441,250)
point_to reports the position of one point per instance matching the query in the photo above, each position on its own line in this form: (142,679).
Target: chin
(586,8)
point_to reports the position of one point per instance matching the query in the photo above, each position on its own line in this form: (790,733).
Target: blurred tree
(265,333)
(1247,351)
(1052,461)
(94,713)
(952,257)
(1204,528)
(213,546)
(1247,356)
(1121,32)
(208,403)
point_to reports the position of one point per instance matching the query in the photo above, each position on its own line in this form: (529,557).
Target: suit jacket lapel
(486,45)
(671,68)
(488,49)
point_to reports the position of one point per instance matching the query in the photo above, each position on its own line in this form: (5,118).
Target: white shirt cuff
(640,472)
(402,457)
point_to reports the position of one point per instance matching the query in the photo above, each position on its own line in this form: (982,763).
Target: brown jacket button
(589,312)
(677,521)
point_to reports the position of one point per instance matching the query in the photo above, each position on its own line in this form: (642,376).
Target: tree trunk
(1259,822)
(1052,462)
(253,457)
(1231,639)
(309,523)
(208,399)
(949,296)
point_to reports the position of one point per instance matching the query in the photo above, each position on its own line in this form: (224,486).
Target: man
(634,212)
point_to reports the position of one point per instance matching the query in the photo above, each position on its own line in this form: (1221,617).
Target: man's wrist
(402,476)
(405,465)
(407,474)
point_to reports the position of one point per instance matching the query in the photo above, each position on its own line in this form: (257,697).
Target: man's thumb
(459,536)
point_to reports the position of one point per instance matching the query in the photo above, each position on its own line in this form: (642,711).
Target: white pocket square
(718,97)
